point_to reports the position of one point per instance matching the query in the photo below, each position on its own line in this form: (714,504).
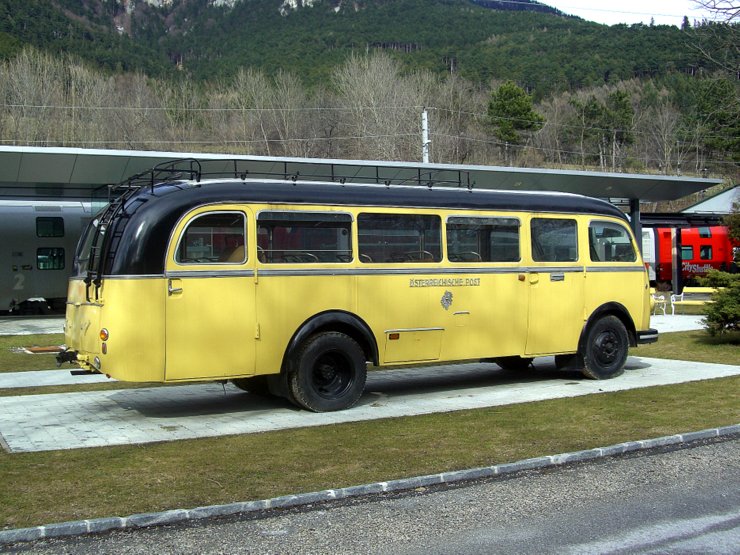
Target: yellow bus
(294,287)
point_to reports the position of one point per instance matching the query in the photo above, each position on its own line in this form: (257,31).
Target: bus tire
(513,362)
(605,349)
(329,373)
(257,385)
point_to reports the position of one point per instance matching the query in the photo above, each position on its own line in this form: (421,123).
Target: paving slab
(13,325)
(39,378)
(134,416)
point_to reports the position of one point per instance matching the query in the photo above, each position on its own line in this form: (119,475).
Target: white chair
(659,302)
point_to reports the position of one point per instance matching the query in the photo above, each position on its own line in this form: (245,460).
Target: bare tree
(729,10)
(726,35)
(381,119)
(34,97)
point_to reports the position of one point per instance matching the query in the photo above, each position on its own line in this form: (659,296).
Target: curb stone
(106,524)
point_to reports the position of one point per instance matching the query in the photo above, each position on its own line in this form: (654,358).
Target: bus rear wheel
(605,350)
(329,373)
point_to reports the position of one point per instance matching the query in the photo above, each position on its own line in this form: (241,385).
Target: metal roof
(56,172)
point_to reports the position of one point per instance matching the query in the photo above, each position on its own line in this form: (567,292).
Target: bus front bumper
(647,336)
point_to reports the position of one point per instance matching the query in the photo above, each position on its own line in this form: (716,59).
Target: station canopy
(77,173)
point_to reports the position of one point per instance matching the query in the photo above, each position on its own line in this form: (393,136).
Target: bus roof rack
(193,169)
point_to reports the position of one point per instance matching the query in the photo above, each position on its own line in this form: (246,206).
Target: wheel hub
(607,347)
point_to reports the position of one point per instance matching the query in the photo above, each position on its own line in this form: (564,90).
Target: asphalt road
(678,501)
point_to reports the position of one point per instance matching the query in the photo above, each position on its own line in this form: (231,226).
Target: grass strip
(13,361)
(86,483)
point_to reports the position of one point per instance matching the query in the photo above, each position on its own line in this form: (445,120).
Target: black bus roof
(151,212)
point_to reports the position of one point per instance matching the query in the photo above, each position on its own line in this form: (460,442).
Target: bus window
(687,253)
(303,237)
(705,233)
(554,240)
(609,242)
(49,227)
(483,239)
(705,252)
(214,238)
(399,238)
(50,258)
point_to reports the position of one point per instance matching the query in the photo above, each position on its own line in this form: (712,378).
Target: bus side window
(294,237)
(475,239)
(554,240)
(610,242)
(413,238)
(214,238)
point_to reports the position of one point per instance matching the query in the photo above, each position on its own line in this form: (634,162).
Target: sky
(611,12)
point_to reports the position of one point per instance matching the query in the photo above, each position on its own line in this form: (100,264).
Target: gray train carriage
(39,238)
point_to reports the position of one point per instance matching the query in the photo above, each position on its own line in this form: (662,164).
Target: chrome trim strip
(420,271)
(368,271)
(413,329)
(131,276)
(599,269)
(184,274)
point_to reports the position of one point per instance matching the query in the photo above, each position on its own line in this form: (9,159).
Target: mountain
(526,41)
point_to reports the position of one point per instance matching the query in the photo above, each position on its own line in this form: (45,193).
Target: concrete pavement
(116,417)
(132,416)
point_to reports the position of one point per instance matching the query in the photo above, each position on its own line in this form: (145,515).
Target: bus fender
(614,309)
(335,320)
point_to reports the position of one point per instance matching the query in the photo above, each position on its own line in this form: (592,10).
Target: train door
(210,318)
(556,282)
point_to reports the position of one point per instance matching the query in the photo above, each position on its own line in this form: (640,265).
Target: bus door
(400,290)
(487,305)
(556,284)
(210,322)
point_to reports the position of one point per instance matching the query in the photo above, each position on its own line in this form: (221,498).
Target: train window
(50,258)
(49,227)
(293,237)
(610,242)
(214,238)
(705,252)
(687,253)
(554,240)
(399,238)
(483,239)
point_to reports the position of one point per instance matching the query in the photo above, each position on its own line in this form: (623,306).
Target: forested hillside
(544,52)
(500,87)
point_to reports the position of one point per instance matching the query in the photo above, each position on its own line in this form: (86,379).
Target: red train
(702,249)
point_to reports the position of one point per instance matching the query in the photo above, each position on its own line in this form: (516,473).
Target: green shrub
(723,315)
(715,278)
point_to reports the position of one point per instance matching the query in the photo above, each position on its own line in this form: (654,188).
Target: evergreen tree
(511,113)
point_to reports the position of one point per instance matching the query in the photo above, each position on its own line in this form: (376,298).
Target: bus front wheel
(329,373)
(606,348)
